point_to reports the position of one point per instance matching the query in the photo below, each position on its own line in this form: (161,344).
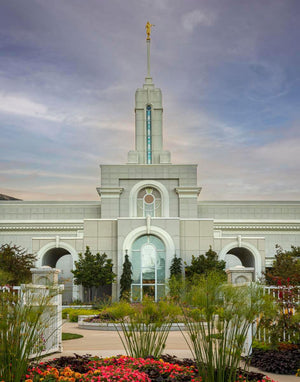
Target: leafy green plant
(145,327)
(218,317)
(285,268)
(102,303)
(74,313)
(15,264)
(285,325)
(93,270)
(276,361)
(205,264)
(65,313)
(22,326)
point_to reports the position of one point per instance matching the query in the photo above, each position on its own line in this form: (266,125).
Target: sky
(229,71)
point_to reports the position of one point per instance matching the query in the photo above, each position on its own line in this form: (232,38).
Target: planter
(109,326)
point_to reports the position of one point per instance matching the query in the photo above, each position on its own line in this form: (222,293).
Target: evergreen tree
(93,270)
(175,281)
(176,267)
(126,279)
(205,264)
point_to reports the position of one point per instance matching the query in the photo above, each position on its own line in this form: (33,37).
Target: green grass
(70,336)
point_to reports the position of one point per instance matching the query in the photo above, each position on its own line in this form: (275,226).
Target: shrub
(275,361)
(284,326)
(206,264)
(23,323)
(74,313)
(65,312)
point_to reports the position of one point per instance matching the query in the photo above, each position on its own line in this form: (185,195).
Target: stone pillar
(45,275)
(240,275)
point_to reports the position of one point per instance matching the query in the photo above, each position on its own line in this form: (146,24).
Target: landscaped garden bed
(283,360)
(123,368)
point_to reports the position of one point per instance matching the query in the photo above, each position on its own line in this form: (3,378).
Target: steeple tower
(148,120)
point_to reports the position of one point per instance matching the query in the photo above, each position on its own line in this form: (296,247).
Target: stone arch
(157,231)
(153,231)
(151,183)
(61,256)
(247,253)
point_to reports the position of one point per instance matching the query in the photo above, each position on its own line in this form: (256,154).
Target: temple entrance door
(148,258)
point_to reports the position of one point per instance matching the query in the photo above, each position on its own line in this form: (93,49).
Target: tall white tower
(148,121)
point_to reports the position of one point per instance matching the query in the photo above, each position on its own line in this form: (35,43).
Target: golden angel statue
(148,29)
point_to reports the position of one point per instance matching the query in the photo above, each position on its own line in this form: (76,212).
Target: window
(149,202)
(148,257)
(149,134)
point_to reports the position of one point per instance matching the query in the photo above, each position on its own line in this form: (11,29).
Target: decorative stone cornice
(110,192)
(261,226)
(40,227)
(188,192)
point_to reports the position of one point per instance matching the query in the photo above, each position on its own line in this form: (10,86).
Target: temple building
(152,210)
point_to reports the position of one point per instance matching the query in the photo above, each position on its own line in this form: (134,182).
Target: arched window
(148,258)
(149,202)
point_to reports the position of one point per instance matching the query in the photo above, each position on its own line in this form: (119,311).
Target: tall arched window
(148,258)
(149,202)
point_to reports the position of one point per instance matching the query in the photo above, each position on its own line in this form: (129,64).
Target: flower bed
(284,360)
(122,368)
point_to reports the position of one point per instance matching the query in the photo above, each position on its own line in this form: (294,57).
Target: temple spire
(148,120)
(148,79)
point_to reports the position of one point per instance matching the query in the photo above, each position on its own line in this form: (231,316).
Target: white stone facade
(150,203)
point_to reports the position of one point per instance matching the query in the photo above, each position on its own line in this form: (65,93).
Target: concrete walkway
(108,343)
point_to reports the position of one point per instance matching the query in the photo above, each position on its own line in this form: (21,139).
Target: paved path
(105,344)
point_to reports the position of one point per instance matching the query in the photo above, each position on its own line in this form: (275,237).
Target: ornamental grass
(145,326)
(218,318)
(23,322)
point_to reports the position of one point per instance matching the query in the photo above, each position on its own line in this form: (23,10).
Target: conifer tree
(126,279)
(176,267)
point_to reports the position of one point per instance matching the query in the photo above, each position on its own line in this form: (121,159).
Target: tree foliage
(176,267)
(15,264)
(93,270)
(126,279)
(204,264)
(286,267)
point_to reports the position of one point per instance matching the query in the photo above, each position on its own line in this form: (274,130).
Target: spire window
(149,134)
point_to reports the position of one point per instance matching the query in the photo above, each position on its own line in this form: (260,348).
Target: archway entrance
(148,258)
(62,259)
(239,256)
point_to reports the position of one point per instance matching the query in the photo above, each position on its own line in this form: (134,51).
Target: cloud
(20,105)
(47,174)
(68,72)
(193,19)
